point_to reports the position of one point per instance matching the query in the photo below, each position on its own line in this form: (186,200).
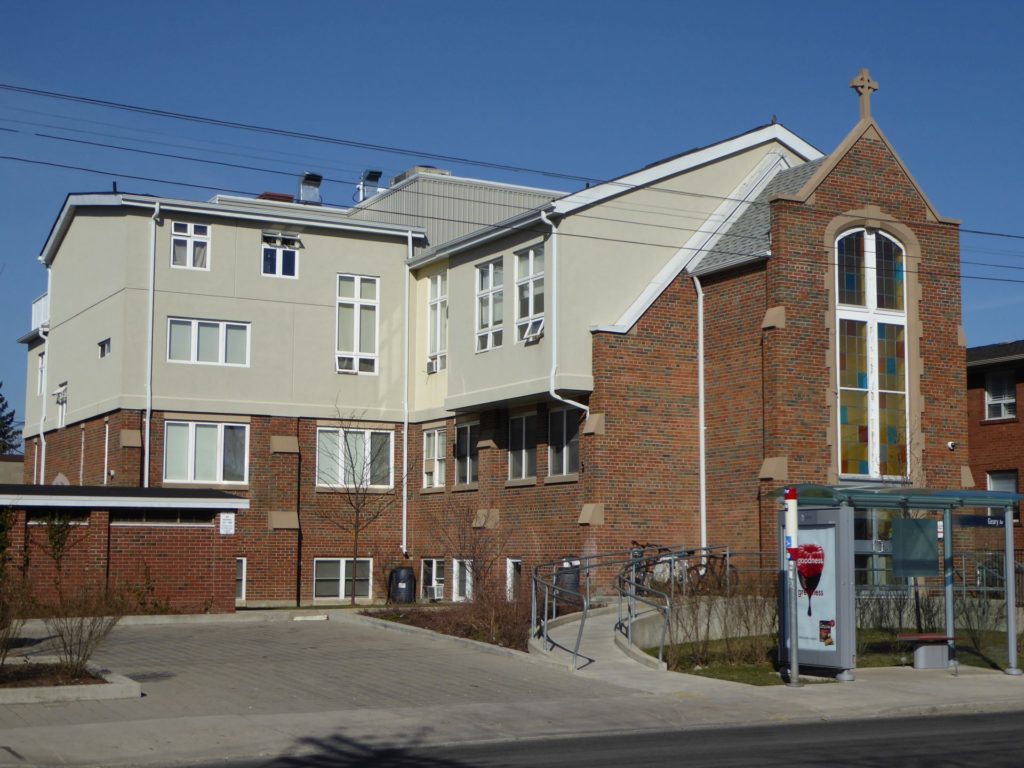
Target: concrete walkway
(877,692)
(263,685)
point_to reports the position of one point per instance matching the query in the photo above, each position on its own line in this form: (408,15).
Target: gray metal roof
(995,353)
(747,239)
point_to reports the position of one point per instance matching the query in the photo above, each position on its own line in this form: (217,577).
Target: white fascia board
(119,502)
(702,241)
(216,209)
(647,176)
(995,360)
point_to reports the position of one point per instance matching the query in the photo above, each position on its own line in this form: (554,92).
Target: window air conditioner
(432,365)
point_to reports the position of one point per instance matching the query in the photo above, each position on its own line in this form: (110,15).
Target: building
(645,359)
(994,432)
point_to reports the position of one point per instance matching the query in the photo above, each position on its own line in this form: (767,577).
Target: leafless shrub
(978,616)
(15,606)
(79,624)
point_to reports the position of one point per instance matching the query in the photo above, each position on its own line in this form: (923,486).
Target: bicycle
(715,575)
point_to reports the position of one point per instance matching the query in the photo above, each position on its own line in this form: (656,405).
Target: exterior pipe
(81,456)
(700,413)
(106,450)
(553,267)
(149,344)
(405,399)
(44,331)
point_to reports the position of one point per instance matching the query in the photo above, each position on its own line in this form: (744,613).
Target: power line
(538,229)
(285,132)
(383,148)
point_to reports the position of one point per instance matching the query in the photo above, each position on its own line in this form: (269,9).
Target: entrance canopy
(867,496)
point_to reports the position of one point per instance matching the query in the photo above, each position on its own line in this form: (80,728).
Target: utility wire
(539,229)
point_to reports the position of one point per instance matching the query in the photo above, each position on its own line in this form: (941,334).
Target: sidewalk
(876,692)
(263,685)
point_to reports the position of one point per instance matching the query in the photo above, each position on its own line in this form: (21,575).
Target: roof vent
(277,197)
(309,189)
(419,169)
(368,180)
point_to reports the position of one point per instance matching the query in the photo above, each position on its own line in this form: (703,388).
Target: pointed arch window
(871,355)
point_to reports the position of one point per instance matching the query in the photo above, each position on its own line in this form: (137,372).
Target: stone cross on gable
(864,85)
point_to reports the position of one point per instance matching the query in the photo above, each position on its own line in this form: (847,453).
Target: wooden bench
(931,649)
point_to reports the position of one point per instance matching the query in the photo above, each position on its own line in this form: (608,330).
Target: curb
(116,687)
(639,656)
(494,650)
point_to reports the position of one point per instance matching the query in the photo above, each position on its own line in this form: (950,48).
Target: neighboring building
(648,358)
(11,469)
(996,438)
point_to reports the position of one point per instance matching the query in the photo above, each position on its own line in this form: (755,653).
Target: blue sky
(591,89)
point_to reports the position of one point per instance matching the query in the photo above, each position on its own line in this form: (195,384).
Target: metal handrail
(548,589)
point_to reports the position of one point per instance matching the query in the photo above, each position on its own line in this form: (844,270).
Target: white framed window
(462,580)
(522,446)
(61,396)
(437,324)
(1001,394)
(190,246)
(432,578)
(205,452)
(871,355)
(333,578)
(40,373)
(103,348)
(564,442)
(434,457)
(241,564)
(489,305)
(357,324)
(530,293)
(513,577)
(1003,480)
(280,254)
(207,342)
(354,458)
(466,455)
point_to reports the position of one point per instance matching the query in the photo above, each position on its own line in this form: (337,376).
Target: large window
(190,245)
(564,442)
(466,457)
(207,342)
(357,324)
(434,448)
(200,452)
(871,355)
(1000,394)
(332,578)
(522,447)
(489,309)
(530,294)
(437,324)
(1005,480)
(280,254)
(354,458)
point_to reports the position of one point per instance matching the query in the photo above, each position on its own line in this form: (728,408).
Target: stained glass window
(888,273)
(851,269)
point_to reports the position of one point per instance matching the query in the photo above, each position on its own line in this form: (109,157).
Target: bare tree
(473,536)
(357,461)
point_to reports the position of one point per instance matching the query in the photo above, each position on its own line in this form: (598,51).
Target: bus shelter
(1000,506)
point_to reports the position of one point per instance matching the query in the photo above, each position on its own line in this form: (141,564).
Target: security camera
(951,445)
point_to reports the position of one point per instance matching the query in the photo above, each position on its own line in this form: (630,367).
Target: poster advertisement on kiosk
(816,600)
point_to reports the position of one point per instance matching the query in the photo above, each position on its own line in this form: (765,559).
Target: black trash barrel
(402,586)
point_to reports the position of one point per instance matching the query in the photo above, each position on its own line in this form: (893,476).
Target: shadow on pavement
(339,751)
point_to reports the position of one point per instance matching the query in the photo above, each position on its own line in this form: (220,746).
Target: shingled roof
(747,239)
(996,353)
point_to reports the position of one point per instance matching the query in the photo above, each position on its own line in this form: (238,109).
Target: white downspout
(405,399)
(44,331)
(149,344)
(553,313)
(106,449)
(81,456)
(700,412)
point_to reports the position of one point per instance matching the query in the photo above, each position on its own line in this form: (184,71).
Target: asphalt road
(991,740)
